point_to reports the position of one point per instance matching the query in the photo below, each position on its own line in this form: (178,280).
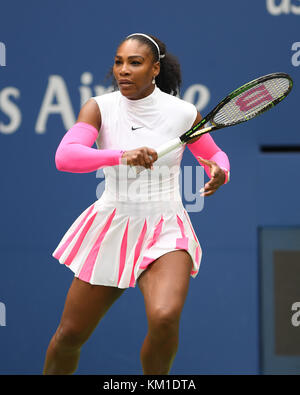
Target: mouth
(125,83)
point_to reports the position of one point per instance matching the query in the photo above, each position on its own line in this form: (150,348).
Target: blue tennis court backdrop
(54,55)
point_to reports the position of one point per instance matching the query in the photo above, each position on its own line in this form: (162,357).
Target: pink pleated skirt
(111,243)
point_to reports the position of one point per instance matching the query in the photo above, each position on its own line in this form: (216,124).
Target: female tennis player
(138,230)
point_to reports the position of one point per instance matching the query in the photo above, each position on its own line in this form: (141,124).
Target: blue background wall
(221,45)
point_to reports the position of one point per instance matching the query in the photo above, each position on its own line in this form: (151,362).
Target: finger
(212,183)
(153,155)
(151,159)
(209,193)
(215,182)
(133,160)
(212,187)
(139,158)
(205,161)
(147,161)
(206,188)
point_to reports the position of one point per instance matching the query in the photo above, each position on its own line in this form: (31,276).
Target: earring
(153,81)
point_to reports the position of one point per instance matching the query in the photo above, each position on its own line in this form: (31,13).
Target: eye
(117,61)
(135,62)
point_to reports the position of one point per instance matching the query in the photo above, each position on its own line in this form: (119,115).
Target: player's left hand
(218,177)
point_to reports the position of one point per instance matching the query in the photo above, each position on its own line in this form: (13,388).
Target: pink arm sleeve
(206,148)
(75,155)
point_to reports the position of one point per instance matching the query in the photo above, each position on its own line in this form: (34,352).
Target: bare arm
(90,114)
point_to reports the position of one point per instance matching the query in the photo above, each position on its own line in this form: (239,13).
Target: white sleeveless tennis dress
(139,218)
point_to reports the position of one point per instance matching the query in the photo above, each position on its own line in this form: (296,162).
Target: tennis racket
(241,105)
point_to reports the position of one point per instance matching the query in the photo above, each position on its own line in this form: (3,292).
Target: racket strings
(251,101)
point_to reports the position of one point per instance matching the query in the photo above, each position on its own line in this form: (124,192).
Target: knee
(164,322)
(68,337)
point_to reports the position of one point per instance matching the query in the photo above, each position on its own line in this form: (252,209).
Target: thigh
(85,305)
(164,284)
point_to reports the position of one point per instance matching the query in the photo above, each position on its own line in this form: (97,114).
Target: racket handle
(169,146)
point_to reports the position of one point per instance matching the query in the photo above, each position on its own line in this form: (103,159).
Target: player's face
(134,69)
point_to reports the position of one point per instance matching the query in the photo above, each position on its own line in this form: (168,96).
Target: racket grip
(169,146)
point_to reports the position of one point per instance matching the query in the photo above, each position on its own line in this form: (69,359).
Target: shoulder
(106,98)
(94,110)
(178,107)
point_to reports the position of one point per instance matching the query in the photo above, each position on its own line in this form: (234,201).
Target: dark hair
(169,78)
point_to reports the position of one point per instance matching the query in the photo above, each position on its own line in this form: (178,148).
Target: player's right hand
(143,156)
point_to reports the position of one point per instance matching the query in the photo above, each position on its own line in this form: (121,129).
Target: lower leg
(85,306)
(164,286)
(60,359)
(158,353)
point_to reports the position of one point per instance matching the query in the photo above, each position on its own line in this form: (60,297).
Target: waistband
(140,207)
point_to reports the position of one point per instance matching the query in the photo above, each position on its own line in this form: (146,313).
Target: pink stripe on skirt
(197,253)
(123,252)
(79,241)
(146,261)
(137,252)
(87,269)
(156,233)
(62,249)
(183,242)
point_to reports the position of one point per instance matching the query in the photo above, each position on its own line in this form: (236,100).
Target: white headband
(149,38)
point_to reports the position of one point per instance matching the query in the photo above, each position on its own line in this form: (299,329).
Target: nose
(124,69)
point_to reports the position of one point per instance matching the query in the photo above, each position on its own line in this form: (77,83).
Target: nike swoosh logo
(140,127)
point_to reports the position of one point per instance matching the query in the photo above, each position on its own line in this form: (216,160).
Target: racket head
(245,103)
(252,99)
